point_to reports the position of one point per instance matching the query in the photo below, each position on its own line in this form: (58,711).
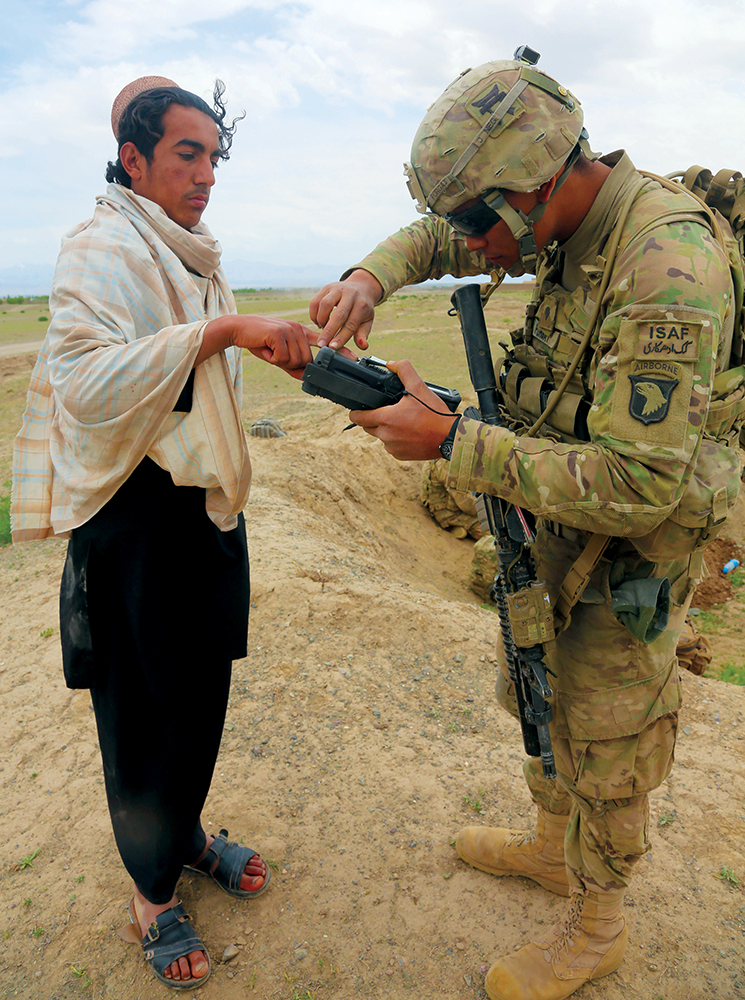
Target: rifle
(523,603)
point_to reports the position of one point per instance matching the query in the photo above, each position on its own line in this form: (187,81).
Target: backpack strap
(679,189)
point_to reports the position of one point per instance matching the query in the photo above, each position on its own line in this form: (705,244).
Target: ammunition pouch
(531,618)
(528,385)
(643,607)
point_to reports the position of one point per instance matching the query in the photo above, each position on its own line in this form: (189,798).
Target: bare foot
(254,874)
(191,966)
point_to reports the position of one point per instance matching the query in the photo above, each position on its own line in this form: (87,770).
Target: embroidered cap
(132,90)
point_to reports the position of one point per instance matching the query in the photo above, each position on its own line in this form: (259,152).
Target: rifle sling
(577,579)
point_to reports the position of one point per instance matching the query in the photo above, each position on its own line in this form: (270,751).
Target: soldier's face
(498,244)
(182,170)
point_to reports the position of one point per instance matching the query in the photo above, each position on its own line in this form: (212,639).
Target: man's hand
(345,309)
(408,430)
(279,342)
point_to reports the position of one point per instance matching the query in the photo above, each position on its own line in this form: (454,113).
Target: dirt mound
(717,587)
(362,734)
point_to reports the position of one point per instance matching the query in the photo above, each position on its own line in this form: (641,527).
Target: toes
(191,966)
(198,962)
(254,875)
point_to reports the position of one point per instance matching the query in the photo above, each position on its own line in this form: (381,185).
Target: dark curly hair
(142,123)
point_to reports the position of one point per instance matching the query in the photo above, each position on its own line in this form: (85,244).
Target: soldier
(637,450)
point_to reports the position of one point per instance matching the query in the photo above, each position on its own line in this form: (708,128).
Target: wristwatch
(446,448)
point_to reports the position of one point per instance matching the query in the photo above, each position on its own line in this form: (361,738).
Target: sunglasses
(479,218)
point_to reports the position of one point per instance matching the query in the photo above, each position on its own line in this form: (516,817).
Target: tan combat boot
(537,854)
(587,943)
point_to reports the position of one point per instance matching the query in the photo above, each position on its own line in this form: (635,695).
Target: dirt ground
(362,734)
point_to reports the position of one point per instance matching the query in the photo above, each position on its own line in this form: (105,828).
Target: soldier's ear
(546,190)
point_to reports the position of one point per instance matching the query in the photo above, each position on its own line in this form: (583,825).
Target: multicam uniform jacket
(652,461)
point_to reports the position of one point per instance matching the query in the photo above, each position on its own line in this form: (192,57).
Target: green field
(413,324)
(23,322)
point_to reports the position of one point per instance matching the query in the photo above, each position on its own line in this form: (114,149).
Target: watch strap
(446,448)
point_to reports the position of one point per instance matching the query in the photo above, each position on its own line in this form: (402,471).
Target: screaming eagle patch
(650,397)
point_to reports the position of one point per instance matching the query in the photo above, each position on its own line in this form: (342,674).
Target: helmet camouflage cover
(504,125)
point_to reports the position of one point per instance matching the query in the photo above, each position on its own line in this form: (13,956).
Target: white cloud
(104,26)
(333,93)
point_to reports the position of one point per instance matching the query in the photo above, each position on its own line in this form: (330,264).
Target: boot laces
(522,837)
(564,933)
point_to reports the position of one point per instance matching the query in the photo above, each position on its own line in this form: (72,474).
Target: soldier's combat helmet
(504,126)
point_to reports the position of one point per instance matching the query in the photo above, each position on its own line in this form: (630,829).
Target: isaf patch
(675,340)
(650,397)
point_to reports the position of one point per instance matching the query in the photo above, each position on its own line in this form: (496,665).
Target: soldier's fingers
(357,324)
(407,373)
(323,302)
(367,419)
(314,305)
(361,337)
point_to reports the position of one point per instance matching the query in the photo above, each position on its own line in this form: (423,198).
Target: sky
(333,92)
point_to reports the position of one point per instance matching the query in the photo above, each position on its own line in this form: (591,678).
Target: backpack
(725,193)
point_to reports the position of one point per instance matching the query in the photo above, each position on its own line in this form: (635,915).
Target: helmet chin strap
(521,225)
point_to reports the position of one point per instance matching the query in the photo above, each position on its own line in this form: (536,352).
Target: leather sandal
(167,939)
(226,862)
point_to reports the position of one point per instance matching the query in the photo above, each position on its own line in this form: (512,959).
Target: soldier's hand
(346,309)
(414,428)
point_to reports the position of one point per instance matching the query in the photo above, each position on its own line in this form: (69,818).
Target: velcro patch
(650,397)
(651,402)
(674,339)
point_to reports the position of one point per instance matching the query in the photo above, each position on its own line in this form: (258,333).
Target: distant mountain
(36,279)
(259,274)
(26,279)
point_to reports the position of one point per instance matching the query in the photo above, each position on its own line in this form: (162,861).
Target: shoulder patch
(653,392)
(674,339)
(650,397)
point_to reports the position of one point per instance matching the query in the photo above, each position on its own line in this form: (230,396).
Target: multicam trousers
(615,707)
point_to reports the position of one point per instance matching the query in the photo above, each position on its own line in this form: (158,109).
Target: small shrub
(476,802)
(5,520)
(28,861)
(726,874)
(733,674)
(708,622)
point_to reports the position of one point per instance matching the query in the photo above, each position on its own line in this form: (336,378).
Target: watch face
(446,448)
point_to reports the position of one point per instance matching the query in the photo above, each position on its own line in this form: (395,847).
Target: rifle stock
(515,583)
